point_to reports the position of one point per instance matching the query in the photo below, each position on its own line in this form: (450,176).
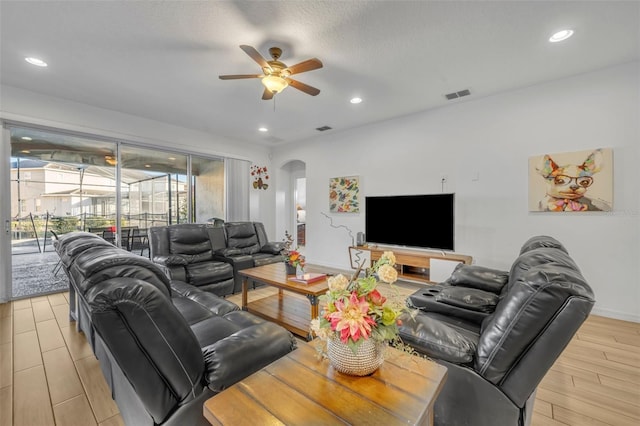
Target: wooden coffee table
(284,308)
(300,389)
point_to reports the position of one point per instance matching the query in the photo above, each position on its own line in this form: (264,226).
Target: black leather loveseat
(164,347)
(210,257)
(500,339)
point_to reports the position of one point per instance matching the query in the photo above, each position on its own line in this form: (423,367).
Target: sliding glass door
(154,187)
(62,182)
(59,183)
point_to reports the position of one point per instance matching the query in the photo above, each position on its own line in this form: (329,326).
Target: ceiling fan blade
(237,76)
(308,65)
(256,56)
(310,90)
(267,94)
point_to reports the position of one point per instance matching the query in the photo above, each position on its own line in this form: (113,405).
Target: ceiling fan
(275,74)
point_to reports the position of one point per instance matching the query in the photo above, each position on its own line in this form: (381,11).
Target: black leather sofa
(499,333)
(210,257)
(164,347)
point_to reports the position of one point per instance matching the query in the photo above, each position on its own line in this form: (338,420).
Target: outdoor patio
(33,272)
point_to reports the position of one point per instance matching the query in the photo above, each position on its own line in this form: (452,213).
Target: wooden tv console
(412,265)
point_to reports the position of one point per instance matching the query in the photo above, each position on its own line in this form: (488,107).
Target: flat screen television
(424,221)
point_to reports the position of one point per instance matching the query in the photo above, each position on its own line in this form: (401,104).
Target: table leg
(245,290)
(314,305)
(314,312)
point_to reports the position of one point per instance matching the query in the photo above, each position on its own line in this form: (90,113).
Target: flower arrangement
(291,256)
(258,173)
(354,310)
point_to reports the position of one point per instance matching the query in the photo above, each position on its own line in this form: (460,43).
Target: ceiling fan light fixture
(274,83)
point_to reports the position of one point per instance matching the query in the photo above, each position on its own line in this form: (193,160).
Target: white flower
(388,274)
(321,332)
(391,258)
(337,283)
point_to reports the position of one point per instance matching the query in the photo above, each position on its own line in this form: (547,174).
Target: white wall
(20,105)
(493,138)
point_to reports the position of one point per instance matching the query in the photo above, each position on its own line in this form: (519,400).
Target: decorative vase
(291,270)
(367,359)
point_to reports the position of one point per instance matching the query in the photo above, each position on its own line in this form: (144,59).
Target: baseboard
(615,315)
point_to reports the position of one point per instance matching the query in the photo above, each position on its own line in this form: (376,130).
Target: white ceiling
(161,59)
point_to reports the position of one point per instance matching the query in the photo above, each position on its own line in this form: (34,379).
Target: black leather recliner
(247,246)
(201,254)
(496,360)
(186,253)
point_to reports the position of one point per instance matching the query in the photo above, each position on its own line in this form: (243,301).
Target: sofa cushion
(208,272)
(439,339)
(479,277)
(242,236)
(191,240)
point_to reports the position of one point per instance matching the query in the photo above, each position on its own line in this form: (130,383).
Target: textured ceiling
(161,59)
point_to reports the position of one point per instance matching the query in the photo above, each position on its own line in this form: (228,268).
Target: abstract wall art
(344,194)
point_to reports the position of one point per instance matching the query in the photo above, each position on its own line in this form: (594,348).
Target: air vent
(323,128)
(455,95)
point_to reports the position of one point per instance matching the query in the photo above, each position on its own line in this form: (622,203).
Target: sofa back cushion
(539,303)
(242,235)
(541,241)
(99,263)
(190,240)
(151,342)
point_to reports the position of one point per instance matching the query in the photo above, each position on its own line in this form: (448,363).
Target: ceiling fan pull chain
(274,104)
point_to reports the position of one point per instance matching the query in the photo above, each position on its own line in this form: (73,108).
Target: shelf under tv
(412,265)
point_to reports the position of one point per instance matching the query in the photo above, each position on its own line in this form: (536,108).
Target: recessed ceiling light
(560,36)
(355,100)
(263,129)
(36,61)
(172,158)
(25,151)
(147,165)
(26,138)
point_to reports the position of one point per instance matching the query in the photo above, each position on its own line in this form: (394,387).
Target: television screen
(425,221)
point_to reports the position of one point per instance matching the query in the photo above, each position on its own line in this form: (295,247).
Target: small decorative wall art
(260,177)
(571,181)
(343,195)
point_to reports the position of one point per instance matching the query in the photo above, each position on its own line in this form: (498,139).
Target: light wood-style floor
(49,376)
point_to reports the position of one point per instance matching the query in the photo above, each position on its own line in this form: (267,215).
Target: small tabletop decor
(293,259)
(356,320)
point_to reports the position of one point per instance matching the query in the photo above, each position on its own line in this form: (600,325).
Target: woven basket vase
(367,359)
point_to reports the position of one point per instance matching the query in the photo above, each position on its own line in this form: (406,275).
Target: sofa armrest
(438,339)
(474,276)
(272,248)
(228,252)
(241,354)
(171,260)
(468,298)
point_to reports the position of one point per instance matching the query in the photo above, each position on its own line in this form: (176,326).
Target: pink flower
(350,318)
(376,298)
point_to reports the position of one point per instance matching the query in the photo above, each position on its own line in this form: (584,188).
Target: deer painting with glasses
(567,185)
